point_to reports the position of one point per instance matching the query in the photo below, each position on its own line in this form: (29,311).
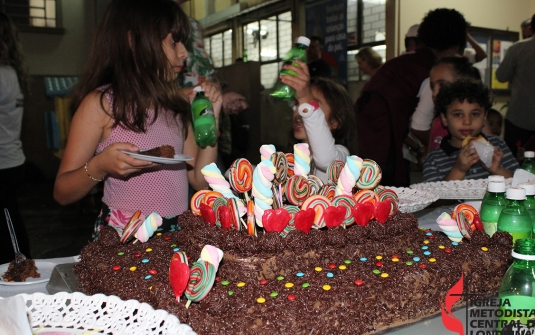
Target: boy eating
(463,108)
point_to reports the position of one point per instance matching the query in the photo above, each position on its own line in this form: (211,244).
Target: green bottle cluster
(298,51)
(529,162)
(204,125)
(492,204)
(518,288)
(515,218)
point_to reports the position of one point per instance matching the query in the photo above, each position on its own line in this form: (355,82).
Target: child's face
(463,119)
(440,74)
(176,54)
(493,125)
(298,127)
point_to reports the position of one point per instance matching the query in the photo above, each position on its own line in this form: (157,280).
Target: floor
(55,230)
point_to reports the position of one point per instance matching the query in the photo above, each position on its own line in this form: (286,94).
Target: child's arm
(89,126)
(467,157)
(207,155)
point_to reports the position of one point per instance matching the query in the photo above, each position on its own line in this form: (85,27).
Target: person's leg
(10,181)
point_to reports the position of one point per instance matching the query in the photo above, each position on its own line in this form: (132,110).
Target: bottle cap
(529,154)
(303,40)
(496,186)
(515,193)
(530,188)
(496,177)
(198,89)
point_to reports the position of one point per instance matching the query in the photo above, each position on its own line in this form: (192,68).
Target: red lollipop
(179,274)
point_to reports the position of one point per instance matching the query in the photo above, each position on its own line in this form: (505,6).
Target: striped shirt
(439,162)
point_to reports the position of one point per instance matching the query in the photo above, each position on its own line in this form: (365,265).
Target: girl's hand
(213,92)
(301,82)
(115,162)
(467,157)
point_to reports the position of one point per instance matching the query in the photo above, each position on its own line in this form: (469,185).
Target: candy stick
(301,159)
(217,182)
(266,150)
(349,175)
(262,193)
(149,226)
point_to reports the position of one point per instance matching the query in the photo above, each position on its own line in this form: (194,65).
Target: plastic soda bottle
(529,162)
(530,200)
(298,51)
(492,204)
(515,218)
(204,124)
(517,291)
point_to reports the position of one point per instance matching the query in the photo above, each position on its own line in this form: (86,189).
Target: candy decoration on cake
(449,227)
(297,190)
(149,226)
(251,225)
(217,182)
(301,159)
(348,203)
(241,176)
(469,213)
(262,193)
(370,175)
(266,150)
(390,196)
(349,175)
(334,170)
(201,280)
(179,273)
(196,200)
(328,191)
(315,184)
(366,196)
(212,255)
(291,161)
(234,210)
(131,227)
(319,204)
(222,213)
(281,165)
(276,219)
(210,197)
(291,224)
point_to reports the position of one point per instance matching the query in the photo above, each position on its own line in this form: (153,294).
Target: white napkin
(522,176)
(13,318)
(485,152)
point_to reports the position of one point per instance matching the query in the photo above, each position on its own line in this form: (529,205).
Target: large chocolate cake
(337,281)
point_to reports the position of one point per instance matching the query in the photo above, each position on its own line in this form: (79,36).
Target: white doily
(77,311)
(413,200)
(458,189)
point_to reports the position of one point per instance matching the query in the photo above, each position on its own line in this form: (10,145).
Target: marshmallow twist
(349,175)
(263,195)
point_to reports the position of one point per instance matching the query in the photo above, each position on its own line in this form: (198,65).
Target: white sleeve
(425,111)
(321,140)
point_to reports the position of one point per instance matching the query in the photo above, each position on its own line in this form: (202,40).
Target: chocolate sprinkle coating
(407,294)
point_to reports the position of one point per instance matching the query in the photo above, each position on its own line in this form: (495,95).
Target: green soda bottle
(517,291)
(530,200)
(298,51)
(529,163)
(204,124)
(515,218)
(492,204)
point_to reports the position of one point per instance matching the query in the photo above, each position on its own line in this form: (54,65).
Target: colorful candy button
(358,282)
(158,234)
(305,285)
(137,255)
(145,260)
(429,234)
(263,282)
(153,272)
(326,287)
(148,250)
(173,245)
(425,247)
(342,267)
(120,253)
(166,238)
(410,252)
(441,247)
(148,277)
(395,256)
(230,292)
(395,259)
(408,263)
(240,284)
(133,268)
(363,259)
(432,260)
(375,271)
(116,268)
(225,283)
(261,300)
(330,275)
(280,278)
(332,266)
(379,264)
(432,237)
(485,249)
(427,253)
(416,259)
(318,269)
(422,266)
(300,274)
(447,251)
(455,243)
(176,249)
(273,294)
(426,241)
(347,261)
(384,275)
(291,297)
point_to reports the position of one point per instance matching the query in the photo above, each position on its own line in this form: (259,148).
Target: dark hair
(461,90)
(492,112)
(11,52)
(341,105)
(408,39)
(442,29)
(370,56)
(127,55)
(317,38)
(533,23)
(461,66)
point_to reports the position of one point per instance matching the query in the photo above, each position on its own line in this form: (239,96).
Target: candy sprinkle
(133,268)
(441,247)
(120,253)
(330,275)
(153,272)
(289,285)
(300,274)
(342,267)
(326,287)
(305,285)
(485,249)
(347,261)
(384,275)
(318,269)
(240,284)
(116,268)
(432,260)
(148,250)
(137,255)
(379,257)
(291,297)
(230,292)
(280,278)
(273,294)
(332,266)
(261,300)
(358,282)
(375,271)
(145,260)
(225,283)
(263,282)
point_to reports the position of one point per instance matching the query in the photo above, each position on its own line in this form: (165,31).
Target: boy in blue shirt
(463,107)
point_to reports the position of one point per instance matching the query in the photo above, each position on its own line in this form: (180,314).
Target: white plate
(413,200)
(468,189)
(44,268)
(161,160)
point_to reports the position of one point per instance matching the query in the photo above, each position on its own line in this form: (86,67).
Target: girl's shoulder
(96,106)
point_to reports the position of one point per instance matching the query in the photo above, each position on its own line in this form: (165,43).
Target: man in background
(317,66)
(526,29)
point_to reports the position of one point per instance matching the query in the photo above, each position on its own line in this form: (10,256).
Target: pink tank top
(438,132)
(162,189)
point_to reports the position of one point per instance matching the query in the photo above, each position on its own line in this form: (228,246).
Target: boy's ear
(444,120)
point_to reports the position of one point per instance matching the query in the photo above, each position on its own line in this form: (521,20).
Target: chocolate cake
(19,272)
(354,280)
(165,151)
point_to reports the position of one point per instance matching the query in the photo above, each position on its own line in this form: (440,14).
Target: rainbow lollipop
(201,280)
(241,176)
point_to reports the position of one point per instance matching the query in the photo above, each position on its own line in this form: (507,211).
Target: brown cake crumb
(21,271)
(165,151)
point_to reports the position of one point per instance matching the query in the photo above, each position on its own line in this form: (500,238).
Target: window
(219,47)
(31,13)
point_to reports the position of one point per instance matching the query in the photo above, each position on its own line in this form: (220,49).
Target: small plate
(161,160)
(44,268)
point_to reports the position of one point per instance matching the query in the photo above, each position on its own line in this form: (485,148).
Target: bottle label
(520,311)
(206,111)
(490,227)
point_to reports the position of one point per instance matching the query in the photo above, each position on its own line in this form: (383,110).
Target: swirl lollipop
(348,203)
(291,161)
(281,165)
(131,228)
(241,176)
(366,196)
(390,196)
(262,193)
(149,226)
(201,280)
(301,159)
(319,204)
(196,200)
(297,190)
(291,224)
(334,170)
(209,198)
(328,191)
(251,225)
(370,175)
(217,182)
(266,150)
(349,175)
(469,212)
(235,215)
(315,184)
